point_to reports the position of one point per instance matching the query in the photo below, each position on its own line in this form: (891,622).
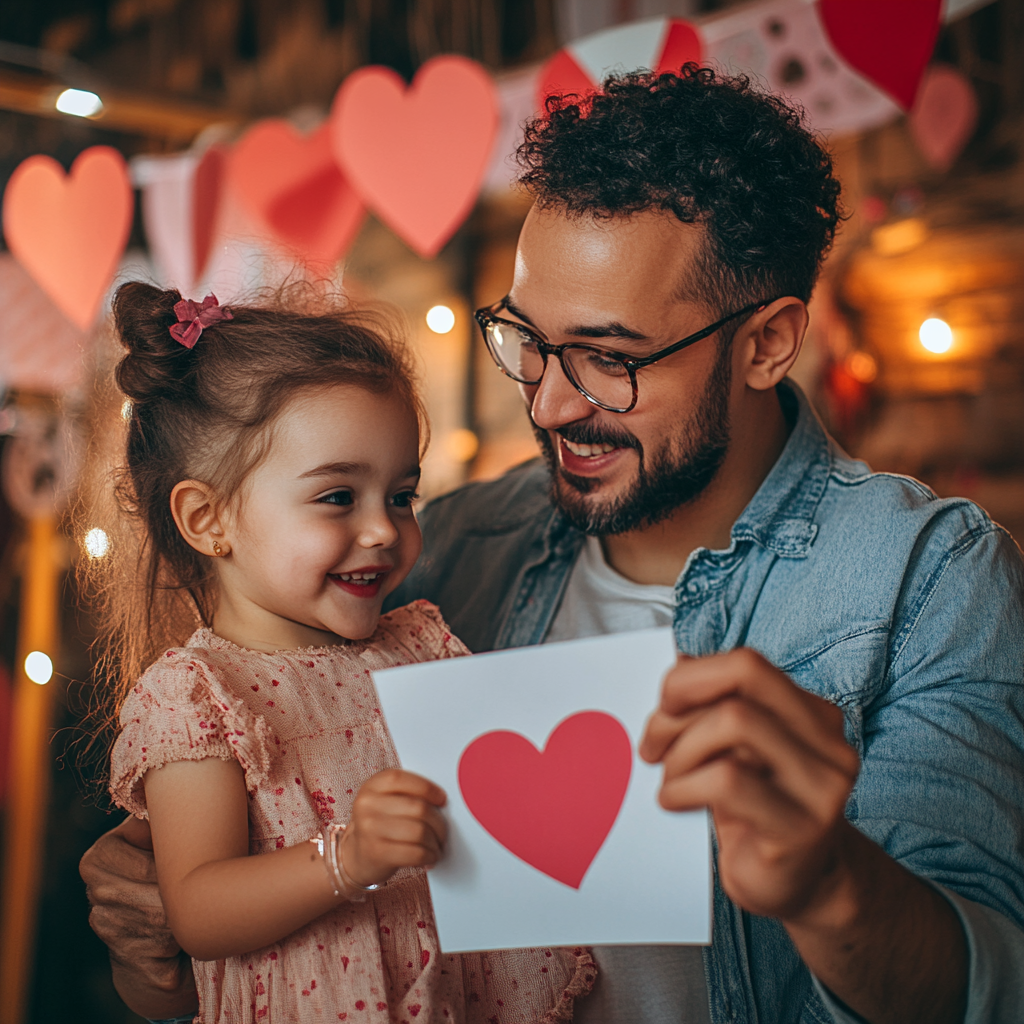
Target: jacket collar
(780,516)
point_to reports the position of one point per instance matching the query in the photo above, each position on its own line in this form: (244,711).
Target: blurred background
(915,356)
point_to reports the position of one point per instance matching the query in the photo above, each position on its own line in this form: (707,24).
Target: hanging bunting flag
(888,42)
(207,188)
(656,44)
(417,155)
(69,230)
(294,190)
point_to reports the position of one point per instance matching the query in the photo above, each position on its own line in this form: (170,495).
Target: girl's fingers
(399,782)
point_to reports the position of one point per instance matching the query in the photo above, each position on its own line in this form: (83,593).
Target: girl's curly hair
(710,149)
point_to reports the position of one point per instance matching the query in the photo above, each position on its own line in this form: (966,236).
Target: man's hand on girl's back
(151,974)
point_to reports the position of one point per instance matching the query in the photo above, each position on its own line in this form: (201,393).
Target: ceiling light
(80,103)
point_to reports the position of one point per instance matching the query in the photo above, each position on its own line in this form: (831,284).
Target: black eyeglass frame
(486,316)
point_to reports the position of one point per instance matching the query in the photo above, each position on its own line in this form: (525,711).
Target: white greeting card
(556,835)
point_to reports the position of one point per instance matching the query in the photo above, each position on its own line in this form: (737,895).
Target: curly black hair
(710,149)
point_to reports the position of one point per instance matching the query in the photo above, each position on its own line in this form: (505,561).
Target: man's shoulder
(508,503)
(898,505)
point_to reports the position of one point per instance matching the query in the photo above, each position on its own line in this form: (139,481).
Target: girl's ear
(195,511)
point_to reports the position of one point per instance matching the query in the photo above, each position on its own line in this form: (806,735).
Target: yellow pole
(29,772)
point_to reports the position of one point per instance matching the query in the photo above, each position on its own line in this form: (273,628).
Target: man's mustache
(585,432)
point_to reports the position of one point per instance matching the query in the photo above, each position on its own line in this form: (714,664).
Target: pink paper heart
(944,115)
(417,155)
(552,808)
(291,186)
(69,230)
(887,41)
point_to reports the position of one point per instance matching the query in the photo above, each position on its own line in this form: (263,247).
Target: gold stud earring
(217,549)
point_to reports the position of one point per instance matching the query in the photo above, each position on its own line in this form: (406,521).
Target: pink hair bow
(193,317)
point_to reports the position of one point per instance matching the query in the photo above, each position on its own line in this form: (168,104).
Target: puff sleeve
(179,711)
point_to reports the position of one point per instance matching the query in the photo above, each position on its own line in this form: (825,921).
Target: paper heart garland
(417,155)
(887,41)
(670,44)
(292,187)
(207,183)
(944,115)
(70,230)
(552,808)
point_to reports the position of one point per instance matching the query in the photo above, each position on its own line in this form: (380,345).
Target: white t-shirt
(635,984)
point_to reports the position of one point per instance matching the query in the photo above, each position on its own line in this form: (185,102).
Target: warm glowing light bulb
(96,543)
(126,410)
(79,102)
(936,335)
(38,667)
(440,319)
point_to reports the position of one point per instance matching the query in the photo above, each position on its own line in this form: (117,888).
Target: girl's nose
(377,530)
(554,402)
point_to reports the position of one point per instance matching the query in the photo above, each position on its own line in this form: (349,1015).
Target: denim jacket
(904,610)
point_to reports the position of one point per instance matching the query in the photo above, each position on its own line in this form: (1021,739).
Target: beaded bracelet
(329,848)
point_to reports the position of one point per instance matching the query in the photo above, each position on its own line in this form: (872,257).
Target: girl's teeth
(588,451)
(358,577)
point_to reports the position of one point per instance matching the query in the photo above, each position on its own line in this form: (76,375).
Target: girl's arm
(221,902)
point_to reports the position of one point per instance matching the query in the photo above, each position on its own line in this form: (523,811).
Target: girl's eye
(337,498)
(404,499)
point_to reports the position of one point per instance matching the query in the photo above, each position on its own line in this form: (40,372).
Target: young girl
(270,470)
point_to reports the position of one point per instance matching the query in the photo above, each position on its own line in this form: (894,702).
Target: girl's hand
(395,824)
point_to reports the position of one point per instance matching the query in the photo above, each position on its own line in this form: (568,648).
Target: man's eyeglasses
(604,378)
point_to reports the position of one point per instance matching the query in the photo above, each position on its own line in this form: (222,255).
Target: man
(848,699)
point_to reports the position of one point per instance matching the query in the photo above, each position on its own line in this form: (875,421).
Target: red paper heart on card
(293,188)
(552,808)
(417,155)
(69,230)
(888,41)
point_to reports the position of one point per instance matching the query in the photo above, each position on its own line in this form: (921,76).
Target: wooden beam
(28,788)
(122,111)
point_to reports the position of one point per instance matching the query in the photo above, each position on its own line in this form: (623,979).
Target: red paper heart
(69,231)
(206,190)
(417,156)
(888,41)
(552,808)
(293,188)
(945,115)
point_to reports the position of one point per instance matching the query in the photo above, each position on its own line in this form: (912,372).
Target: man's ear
(196,513)
(773,339)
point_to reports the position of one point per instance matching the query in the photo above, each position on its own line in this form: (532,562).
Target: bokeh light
(96,543)
(936,335)
(440,319)
(38,667)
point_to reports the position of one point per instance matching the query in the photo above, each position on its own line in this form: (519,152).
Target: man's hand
(151,973)
(770,761)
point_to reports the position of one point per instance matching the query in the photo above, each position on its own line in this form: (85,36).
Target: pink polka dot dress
(307,729)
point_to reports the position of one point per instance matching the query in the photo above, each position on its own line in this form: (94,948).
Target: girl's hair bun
(155,364)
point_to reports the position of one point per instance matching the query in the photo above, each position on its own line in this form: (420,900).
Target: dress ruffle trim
(180,712)
(579,985)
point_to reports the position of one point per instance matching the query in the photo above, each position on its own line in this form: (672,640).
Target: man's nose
(555,401)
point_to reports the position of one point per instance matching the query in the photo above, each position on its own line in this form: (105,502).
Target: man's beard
(666,479)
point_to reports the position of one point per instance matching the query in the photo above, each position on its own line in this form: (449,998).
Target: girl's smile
(323,529)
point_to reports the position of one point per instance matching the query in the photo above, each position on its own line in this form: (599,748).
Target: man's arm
(771,763)
(151,974)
